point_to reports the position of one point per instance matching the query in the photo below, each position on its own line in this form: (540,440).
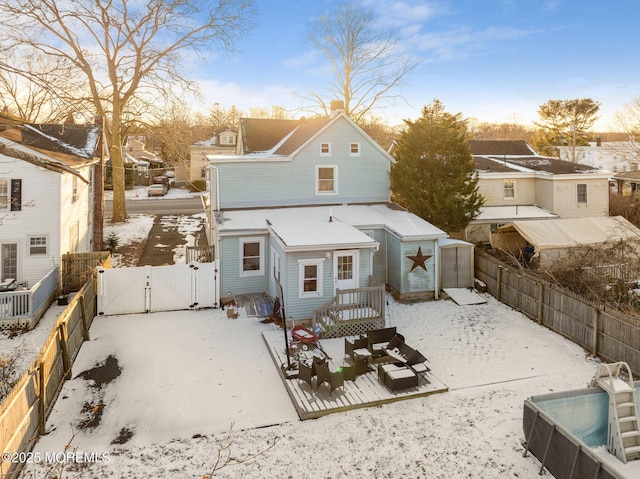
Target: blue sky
(494,60)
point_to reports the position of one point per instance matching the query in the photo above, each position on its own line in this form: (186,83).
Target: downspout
(437,266)
(216,245)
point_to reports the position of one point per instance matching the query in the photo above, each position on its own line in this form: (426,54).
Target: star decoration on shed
(419,260)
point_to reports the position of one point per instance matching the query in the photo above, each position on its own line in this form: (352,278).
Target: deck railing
(25,308)
(351,312)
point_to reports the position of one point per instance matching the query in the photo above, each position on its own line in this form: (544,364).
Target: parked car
(157,190)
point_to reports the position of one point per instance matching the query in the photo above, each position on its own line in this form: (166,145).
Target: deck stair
(623,431)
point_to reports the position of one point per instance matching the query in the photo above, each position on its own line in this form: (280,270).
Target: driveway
(168,237)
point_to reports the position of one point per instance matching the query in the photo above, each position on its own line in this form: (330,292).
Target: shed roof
(566,233)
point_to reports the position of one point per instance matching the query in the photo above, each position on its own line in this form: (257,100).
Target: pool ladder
(624,430)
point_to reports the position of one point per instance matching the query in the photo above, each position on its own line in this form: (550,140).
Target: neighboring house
(47,196)
(616,156)
(223,142)
(518,184)
(307,206)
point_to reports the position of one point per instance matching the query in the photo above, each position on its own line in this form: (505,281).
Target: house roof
(319,233)
(498,156)
(263,134)
(395,219)
(55,147)
(628,175)
(502,214)
(303,132)
(500,148)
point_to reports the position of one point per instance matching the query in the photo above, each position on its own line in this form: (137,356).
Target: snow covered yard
(182,378)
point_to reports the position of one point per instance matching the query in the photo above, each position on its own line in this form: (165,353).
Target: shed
(456,263)
(552,238)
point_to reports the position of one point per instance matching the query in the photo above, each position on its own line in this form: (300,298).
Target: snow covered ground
(155,395)
(183,378)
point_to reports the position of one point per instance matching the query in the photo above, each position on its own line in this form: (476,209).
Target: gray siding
(361,179)
(394,262)
(418,280)
(302,308)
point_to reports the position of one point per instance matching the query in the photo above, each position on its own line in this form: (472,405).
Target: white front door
(345,269)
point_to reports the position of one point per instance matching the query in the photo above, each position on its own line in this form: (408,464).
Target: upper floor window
(325,149)
(74,189)
(354,149)
(326,180)
(251,256)
(4,194)
(509,189)
(37,245)
(581,192)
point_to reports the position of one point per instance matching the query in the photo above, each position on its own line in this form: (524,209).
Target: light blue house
(303,212)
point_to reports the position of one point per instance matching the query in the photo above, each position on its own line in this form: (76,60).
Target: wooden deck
(365,391)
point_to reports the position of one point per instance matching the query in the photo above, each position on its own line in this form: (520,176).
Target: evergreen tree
(564,123)
(434,175)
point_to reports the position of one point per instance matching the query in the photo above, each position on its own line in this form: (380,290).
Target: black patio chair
(333,379)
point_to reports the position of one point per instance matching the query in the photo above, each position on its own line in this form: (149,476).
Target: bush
(111,242)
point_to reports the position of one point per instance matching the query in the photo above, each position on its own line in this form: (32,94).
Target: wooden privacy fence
(604,332)
(24,412)
(78,268)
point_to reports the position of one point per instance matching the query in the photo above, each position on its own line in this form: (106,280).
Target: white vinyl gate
(147,289)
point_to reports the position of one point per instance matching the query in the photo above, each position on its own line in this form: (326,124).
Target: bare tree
(366,59)
(123,49)
(48,95)
(629,122)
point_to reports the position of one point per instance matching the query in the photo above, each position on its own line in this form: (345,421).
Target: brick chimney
(336,106)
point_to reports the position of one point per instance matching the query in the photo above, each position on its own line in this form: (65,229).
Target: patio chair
(417,362)
(356,348)
(377,340)
(306,373)
(333,379)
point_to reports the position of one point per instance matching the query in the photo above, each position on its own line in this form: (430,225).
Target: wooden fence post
(596,332)
(540,303)
(499,285)
(83,317)
(64,343)
(42,405)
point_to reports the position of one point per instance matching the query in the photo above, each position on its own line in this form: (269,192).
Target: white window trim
(586,194)
(46,245)
(351,153)
(335,180)
(505,197)
(329,147)
(319,262)
(241,243)
(7,194)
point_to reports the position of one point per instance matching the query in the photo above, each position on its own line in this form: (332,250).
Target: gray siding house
(305,212)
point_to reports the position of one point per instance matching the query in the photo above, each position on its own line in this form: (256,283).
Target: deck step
(628,434)
(632,450)
(626,404)
(628,419)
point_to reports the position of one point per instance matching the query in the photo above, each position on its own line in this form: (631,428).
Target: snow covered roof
(306,234)
(502,214)
(395,219)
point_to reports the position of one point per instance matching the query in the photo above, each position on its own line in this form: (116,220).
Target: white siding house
(46,206)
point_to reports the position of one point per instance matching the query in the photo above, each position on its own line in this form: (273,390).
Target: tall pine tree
(434,175)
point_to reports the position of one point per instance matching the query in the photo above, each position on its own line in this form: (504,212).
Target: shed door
(456,268)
